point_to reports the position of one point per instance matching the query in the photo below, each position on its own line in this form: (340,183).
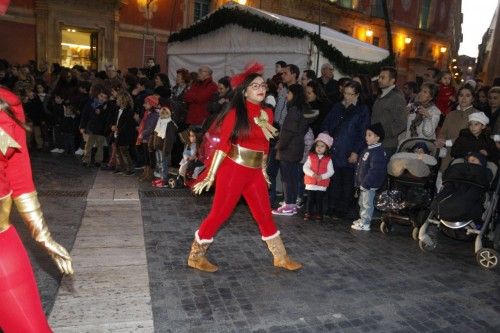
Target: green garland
(244,19)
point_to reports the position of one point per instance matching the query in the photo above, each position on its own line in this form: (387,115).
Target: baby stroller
(407,197)
(477,216)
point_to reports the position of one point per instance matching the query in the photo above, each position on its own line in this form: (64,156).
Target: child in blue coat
(370,175)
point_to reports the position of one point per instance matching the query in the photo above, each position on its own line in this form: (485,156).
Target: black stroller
(479,219)
(408,197)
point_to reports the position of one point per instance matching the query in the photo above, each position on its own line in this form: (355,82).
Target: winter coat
(164,145)
(467,143)
(347,127)
(318,166)
(34,111)
(149,124)
(290,146)
(390,111)
(197,98)
(323,108)
(69,125)
(426,129)
(454,122)
(125,127)
(95,119)
(443,102)
(331,89)
(372,167)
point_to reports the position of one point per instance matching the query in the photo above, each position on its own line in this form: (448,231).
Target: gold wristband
(5,207)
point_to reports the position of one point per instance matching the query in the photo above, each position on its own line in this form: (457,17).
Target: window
(201,8)
(376,41)
(377,8)
(345,3)
(423,21)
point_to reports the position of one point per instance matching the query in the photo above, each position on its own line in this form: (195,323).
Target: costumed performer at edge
(239,162)
(20,306)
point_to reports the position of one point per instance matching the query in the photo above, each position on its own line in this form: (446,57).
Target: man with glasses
(199,95)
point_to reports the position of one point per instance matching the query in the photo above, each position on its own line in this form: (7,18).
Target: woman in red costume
(240,165)
(20,306)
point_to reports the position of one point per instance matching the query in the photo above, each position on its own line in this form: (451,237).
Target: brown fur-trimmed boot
(281,259)
(197,258)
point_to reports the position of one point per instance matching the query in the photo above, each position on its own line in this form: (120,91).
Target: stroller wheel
(427,244)
(414,233)
(487,258)
(172,182)
(385,227)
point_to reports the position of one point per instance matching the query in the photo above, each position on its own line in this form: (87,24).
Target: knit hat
(378,130)
(152,100)
(479,156)
(480,117)
(325,138)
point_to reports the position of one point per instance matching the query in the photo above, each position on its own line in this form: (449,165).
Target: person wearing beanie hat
(318,169)
(152,100)
(378,130)
(370,175)
(475,139)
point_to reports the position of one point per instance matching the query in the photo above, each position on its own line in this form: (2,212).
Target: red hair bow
(253,67)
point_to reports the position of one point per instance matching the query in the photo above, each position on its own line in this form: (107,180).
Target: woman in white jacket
(423,115)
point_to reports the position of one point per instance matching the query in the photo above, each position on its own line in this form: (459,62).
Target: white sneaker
(79,151)
(55,150)
(299,202)
(61,151)
(286,210)
(157,174)
(361,226)
(357,222)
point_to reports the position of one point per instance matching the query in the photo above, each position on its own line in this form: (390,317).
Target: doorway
(78,47)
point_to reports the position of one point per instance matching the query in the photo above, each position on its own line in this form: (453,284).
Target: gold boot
(281,259)
(197,258)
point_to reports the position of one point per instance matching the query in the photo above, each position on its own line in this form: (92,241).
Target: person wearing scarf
(423,115)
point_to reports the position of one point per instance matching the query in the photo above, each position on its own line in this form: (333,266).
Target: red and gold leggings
(233,181)
(20,306)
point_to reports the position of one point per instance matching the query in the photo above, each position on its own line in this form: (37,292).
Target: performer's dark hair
(242,126)
(7,109)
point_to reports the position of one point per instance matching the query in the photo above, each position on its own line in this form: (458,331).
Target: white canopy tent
(228,49)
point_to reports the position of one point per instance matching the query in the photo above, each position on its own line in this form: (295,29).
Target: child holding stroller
(370,175)
(317,172)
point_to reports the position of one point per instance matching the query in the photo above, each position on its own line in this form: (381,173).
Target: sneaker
(156,181)
(161,183)
(286,210)
(139,167)
(361,226)
(57,150)
(79,151)
(157,174)
(357,222)
(307,216)
(129,173)
(299,202)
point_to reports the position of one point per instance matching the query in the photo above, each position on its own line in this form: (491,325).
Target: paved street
(351,282)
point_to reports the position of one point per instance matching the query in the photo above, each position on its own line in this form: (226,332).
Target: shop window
(201,8)
(78,48)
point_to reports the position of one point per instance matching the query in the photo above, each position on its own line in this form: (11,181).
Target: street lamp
(407,40)
(242,2)
(147,8)
(443,49)
(369,32)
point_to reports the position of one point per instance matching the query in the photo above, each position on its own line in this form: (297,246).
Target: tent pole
(319,33)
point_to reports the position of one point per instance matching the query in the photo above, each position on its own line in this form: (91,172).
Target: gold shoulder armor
(7,141)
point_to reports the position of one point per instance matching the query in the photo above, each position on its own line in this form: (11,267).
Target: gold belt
(5,206)
(246,157)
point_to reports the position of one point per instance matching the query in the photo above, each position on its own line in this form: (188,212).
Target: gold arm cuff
(246,157)
(29,208)
(5,207)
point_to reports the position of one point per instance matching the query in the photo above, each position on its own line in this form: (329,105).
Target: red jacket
(443,98)
(197,98)
(15,166)
(320,167)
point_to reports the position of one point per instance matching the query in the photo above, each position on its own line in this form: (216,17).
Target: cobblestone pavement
(351,282)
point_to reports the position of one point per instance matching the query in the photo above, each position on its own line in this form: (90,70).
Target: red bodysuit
(234,180)
(20,306)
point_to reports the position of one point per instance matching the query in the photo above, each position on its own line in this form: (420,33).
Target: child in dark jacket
(163,139)
(370,175)
(475,139)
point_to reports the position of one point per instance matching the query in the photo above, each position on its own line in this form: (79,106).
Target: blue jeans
(366,198)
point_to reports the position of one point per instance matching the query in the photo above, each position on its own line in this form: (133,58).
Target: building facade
(488,66)
(93,33)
